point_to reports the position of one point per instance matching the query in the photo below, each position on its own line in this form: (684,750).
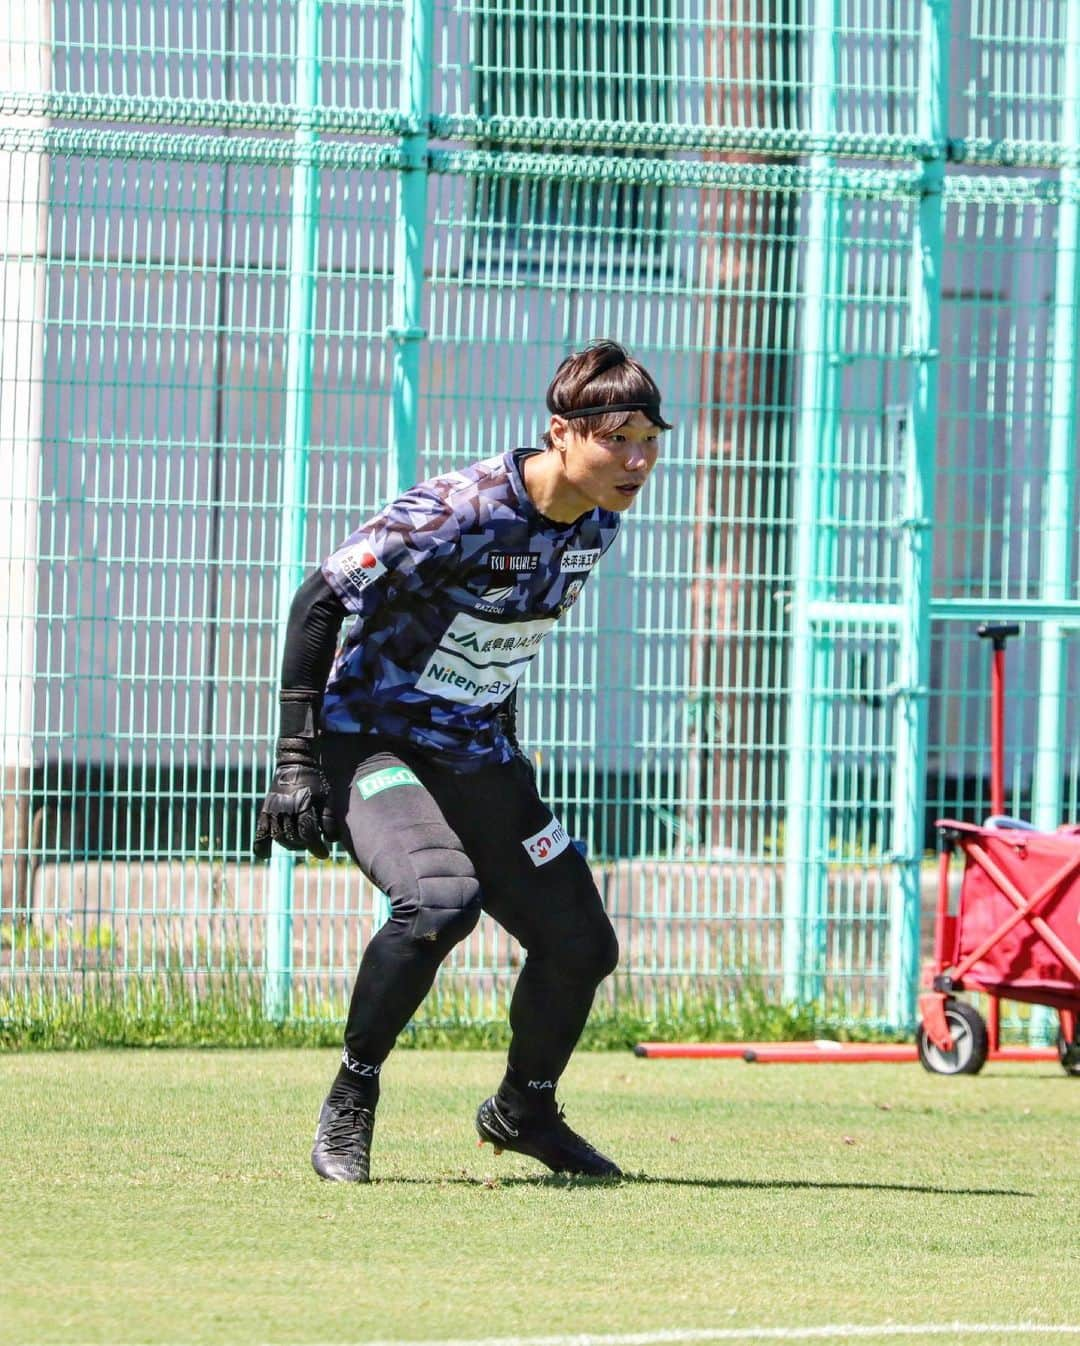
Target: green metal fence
(262,263)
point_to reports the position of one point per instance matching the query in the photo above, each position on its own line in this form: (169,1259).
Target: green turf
(166,1197)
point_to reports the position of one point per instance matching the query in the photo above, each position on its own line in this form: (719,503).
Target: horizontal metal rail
(573,132)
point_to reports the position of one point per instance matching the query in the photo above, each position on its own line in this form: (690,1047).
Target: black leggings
(444,846)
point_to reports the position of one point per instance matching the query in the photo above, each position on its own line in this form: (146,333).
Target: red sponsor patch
(546,844)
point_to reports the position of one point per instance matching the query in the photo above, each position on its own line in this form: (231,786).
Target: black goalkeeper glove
(296,811)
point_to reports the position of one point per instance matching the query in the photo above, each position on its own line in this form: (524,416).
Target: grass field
(166,1197)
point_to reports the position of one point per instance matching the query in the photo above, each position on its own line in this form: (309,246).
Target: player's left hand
(296,812)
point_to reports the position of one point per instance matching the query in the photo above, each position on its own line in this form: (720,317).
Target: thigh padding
(429,882)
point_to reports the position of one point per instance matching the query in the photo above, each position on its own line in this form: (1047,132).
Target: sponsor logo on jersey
(581,559)
(360,566)
(385,779)
(479,662)
(547,843)
(512,639)
(441,676)
(513,562)
(570,595)
(494,599)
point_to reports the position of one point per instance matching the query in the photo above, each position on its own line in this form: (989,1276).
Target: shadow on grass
(558,1180)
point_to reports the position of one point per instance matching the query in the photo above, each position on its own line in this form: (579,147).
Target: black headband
(651,409)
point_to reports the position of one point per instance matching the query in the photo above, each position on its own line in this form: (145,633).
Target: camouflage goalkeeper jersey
(456,584)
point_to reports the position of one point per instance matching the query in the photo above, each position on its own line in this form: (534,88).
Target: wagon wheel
(1069,1052)
(968,1033)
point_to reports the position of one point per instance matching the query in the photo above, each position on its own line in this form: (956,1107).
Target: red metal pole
(993,1024)
(999,633)
(997,733)
(815,1053)
(942,955)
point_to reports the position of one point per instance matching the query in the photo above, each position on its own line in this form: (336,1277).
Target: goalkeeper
(403,748)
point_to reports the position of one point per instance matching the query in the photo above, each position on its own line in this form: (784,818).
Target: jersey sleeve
(407,547)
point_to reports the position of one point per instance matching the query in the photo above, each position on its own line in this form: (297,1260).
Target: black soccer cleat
(544,1136)
(342,1151)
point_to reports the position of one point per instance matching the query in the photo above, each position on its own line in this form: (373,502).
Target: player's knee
(433,890)
(607,954)
(447,905)
(592,955)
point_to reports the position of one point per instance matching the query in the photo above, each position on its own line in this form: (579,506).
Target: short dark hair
(603,374)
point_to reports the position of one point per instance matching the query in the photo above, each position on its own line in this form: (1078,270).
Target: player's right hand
(296,812)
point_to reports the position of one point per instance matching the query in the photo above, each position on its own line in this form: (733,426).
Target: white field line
(841,1331)
(844,1331)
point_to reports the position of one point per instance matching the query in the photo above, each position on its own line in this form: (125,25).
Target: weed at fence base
(225,1009)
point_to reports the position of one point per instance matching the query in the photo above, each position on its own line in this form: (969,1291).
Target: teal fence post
(1059,483)
(296,438)
(409,233)
(24,212)
(807,777)
(916,525)
(1058,514)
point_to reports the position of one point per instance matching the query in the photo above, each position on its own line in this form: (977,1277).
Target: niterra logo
(358,1067)
(443,673)
(385,779)
(547,843)
(513,562)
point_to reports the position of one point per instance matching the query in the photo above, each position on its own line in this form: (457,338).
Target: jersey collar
(514,460)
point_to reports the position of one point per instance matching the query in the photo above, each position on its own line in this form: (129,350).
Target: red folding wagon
(1015,933)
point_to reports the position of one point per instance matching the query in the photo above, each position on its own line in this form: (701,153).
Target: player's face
(611,471)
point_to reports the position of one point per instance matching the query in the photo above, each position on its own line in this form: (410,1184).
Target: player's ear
(559,431)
